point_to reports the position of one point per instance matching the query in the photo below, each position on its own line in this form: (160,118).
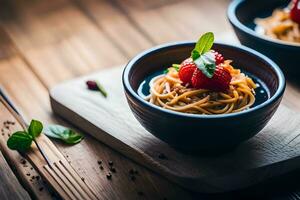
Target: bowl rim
(237,23)
(128,88)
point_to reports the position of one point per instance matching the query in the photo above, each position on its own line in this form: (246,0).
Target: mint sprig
(204,59)
(22,140)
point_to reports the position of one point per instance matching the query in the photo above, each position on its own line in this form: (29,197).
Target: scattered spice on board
(99,162)
(82,179)
(101,167)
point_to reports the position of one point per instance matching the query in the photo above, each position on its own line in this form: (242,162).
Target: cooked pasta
(279,26)
(168,92)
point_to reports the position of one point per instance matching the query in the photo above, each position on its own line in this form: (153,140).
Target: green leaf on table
(65,134)
(203,45)
(35,128)
(20,141)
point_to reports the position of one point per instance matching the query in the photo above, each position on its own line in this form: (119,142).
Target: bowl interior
(158,59)
(247,11)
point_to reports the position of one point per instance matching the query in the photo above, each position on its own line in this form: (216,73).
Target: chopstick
(12,109)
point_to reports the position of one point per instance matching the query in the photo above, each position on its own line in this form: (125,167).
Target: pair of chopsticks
(69,184)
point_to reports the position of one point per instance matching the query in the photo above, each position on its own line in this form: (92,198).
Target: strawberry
(219,82)
(218,57)
(186,71)
(295,11)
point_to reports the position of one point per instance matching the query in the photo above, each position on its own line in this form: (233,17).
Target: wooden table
(45,42)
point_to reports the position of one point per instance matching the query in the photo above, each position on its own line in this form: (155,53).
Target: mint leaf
(195,54)
(65,134)
(35,128)
(207,64)
(20,141)
(203,45)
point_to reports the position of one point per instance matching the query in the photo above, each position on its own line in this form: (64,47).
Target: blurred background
(43,42)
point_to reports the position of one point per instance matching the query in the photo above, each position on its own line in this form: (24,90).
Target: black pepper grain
(101,167)
(23,161)
(82,179)
(41,188)
(112,169)
(108,176)
(131,171)
(99,162)
(111,163)
(132,178)
(28,174)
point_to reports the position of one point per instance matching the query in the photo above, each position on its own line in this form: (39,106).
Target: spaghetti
(279,26)
(167,91)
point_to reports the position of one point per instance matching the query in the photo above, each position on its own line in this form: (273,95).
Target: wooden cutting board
(274,151)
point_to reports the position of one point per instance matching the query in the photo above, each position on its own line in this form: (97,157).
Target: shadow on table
(286,187)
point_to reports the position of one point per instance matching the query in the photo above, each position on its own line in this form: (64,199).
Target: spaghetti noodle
(279,26)
(168,92)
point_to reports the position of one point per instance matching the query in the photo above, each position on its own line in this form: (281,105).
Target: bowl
(241,14)
(202,133)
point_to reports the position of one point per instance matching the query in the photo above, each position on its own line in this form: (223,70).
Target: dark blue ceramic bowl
(242,13)
(192,132)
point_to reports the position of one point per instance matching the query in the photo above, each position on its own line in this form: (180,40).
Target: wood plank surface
(34,79)
(45,42)
(10,187)
(273,152)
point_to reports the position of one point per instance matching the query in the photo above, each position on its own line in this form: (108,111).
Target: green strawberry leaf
(65,134)
(35,128)
(207,64)
(20,141)
(203,45)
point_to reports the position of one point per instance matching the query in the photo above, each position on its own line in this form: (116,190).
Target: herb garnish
(175,66)
(65,134)
(22,140)
(202,57)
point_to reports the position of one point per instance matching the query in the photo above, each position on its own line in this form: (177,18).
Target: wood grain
(273,152)
(29,92)
(10,187)
(46,42)
(27,174)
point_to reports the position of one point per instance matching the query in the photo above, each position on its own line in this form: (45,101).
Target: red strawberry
(218,57)
(219,82)
(295,11)
(186,71)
